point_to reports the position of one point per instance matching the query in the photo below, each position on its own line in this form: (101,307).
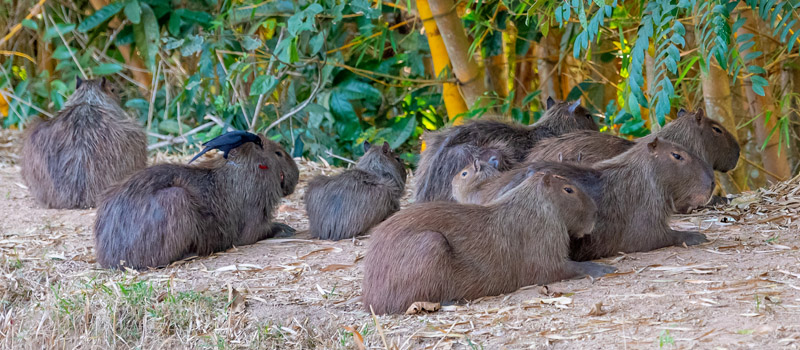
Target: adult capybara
(91,144)
(636,193)
(169,211)
(349,204)
(468,181)
(441,251)
(697,133)
(438,164)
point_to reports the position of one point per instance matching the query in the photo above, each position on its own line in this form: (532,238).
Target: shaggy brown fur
(468,182)
(169,211)
(91,144)
(349,204)
(438,164)
(697,133)
(441,252)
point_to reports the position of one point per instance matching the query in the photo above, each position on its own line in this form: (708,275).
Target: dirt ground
(740,291)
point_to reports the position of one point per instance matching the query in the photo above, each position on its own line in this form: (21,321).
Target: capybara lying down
(169,211)
(91,144)
(443,251)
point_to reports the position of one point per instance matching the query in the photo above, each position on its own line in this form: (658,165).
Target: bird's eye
(677,156)
(716,129)
(279,153)
(589,116)
(568,190)
(464,174)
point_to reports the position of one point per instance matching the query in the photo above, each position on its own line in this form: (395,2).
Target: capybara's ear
(493,161)
(699,115)
(78,82)
(103,82)
(653,145)
(681,112)
(386,147)
(476,165)
(550,102)
(366,146)
(547,178)
(574,106)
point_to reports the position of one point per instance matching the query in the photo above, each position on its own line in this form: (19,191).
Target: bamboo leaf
(100,16)
(146,36)
(133,11)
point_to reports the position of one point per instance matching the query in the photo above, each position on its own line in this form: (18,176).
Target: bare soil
(742,290)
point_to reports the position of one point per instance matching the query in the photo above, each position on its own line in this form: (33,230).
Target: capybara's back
(69,161)
(349,204)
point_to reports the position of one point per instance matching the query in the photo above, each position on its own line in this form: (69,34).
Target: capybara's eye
(589,116)
(677,156)
(464,174)
(716,129)
(568,189)
(279,153)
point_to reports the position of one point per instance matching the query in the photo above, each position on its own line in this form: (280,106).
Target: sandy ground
(742,290)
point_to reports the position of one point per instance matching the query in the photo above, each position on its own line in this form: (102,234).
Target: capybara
(438,164)
(171,211)
(91,144)
(468,182)
(440,251)
(695,132)
(349,204)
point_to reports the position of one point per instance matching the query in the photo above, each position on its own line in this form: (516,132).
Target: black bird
(228,141)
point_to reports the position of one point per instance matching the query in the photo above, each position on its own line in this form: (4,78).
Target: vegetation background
(323,76)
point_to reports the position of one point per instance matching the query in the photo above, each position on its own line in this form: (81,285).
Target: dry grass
(740,291)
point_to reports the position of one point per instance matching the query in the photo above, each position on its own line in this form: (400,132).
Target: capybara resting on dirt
(91,144)
(169,211)
(441,251)
(695,132)
(438,164)
(349,204)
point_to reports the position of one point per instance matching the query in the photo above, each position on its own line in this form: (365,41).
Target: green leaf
(528,99)
(146,34)
(174,25)
(173,43)
(100,16)
(106,69)
(29,23)
(402,130)
(64,28)
(133,11)
(294,56)
(758,84)
(263,84)
(199,17)
(251,44)
(317,41)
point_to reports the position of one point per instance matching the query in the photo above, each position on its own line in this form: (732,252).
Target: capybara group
(442,251)
(168,211)
(695,132)
(91,144)
(438,164)
(349,204)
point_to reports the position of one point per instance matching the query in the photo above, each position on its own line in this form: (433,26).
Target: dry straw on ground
(742,290)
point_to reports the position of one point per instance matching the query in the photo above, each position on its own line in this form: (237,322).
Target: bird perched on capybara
(697,133)
(441,251)
(438,163)
(229,141)
(470,180)
(91,144)
(349,204)
(170,211)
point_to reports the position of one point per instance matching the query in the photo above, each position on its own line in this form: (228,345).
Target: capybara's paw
(282,231)
(595,269)
(691,238)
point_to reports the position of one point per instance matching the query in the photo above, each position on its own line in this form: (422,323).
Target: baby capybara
(439,251)
(349,204)
(468,182)
(91,144)
(170,211)
(438,164)
(697,133)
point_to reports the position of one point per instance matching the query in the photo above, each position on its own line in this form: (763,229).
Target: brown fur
(697,133)
(467,183)
(91,144)
(440,252)
(438,163)
(349,204)
(169,211)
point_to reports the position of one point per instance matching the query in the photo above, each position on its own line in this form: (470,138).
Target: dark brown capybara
(440,251)
(695,132)
(468,181)
(91,144)
(438,164)
(637,192)
(349,204)
(167,212)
